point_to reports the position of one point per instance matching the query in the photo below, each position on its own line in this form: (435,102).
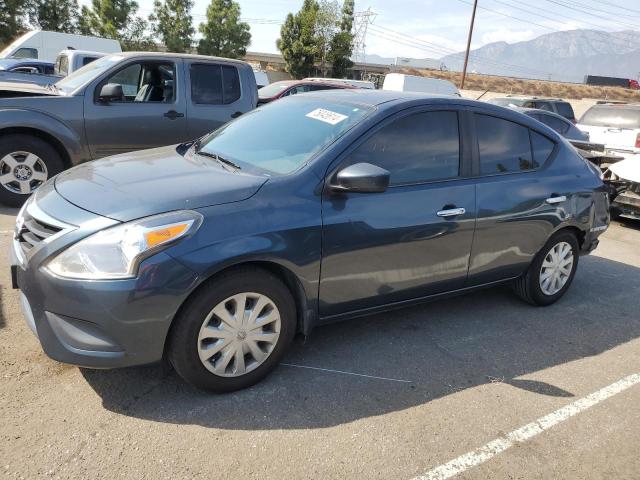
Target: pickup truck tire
(26,162)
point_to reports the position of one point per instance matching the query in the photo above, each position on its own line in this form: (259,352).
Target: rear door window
(417,148)
(565,109)
(214,84)
(555,123)
(504,146)
(542,147)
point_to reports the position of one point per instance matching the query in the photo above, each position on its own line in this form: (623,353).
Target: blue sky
(435,28)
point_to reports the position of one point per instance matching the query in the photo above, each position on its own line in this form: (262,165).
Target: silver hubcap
(239,334)
(556,268)
(22,172)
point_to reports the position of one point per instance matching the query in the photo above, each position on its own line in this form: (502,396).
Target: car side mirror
(361,178)
(111,92)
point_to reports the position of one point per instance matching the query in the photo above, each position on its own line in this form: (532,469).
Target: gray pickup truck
(119,103)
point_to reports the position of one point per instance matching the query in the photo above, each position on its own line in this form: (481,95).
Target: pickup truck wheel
(26,162)
(233,331)
(551,272)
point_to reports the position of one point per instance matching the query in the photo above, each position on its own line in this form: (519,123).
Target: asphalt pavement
(479,386)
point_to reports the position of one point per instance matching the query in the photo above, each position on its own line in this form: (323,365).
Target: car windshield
(281,137)
(273,89)
(617,117)
(87,73)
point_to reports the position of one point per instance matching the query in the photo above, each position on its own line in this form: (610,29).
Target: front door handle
(451,212)
(236,115)
(553,199)
(172,115)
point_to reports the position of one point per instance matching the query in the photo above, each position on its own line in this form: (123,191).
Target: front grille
(33,232)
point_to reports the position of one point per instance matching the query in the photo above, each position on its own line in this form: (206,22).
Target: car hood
(133,185)
(21,89)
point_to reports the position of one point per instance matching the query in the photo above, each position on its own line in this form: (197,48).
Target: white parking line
(522,434)
(345,373)
(4,232)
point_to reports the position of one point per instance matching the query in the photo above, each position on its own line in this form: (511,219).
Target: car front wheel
(551,272)
(233,331)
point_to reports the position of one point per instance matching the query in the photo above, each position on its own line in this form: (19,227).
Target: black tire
(182,349)
(528,288)
(31,144)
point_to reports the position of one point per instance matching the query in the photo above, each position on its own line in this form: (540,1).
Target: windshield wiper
(220,159)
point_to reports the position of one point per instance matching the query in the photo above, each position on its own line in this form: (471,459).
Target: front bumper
(99,324)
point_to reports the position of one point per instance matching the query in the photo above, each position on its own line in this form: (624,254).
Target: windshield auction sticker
(326,116)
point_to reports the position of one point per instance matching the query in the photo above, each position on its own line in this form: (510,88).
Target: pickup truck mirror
(361,178)
(111,92)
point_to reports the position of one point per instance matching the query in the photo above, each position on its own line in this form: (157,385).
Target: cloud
(507,35)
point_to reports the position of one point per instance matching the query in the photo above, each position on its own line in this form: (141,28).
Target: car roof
(187,56)
(527,111)
(11,62)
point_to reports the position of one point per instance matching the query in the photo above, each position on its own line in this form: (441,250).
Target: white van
(399,82)
(45,45)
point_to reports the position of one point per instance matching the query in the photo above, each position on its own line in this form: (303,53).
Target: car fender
(31,119)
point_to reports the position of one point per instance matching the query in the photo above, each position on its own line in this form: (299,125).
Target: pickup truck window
(214,84)
(146,82)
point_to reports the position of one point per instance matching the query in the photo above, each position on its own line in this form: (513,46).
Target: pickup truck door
(215,95)
(151,114)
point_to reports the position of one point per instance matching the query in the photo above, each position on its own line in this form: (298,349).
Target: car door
(412,240)
(214,94)
(517,200)
(138,120)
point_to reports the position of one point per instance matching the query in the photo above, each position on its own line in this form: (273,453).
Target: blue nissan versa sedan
(306,211)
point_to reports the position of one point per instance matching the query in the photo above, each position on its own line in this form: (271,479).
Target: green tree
(12,14)
(54,15)
(171,20)
(297,42)
(116,19)
(326,27)
(342,43)
(223,34)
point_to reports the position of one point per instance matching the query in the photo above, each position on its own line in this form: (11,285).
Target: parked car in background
(306,211)
(615,126)
(25,65)
(284,88)
(23,70)
(399,82)
(354,83)
(68,61)
(558,123)
(261,78)
(118,103)
(555,105)
(44,45)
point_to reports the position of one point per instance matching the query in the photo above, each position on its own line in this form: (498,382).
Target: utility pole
(466,56)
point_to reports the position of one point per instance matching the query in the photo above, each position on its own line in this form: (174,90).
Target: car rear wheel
(26,162)
(550,274)
(233,331)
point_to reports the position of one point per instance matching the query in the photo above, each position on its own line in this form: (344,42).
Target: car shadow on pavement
(439,348)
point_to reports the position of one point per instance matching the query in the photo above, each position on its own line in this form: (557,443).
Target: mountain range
(562,56)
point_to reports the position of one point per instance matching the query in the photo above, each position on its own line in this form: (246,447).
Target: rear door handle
(552,200)
(236,115)
(172,115)
(451,212)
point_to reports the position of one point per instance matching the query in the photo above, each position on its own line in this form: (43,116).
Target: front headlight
(116,252)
